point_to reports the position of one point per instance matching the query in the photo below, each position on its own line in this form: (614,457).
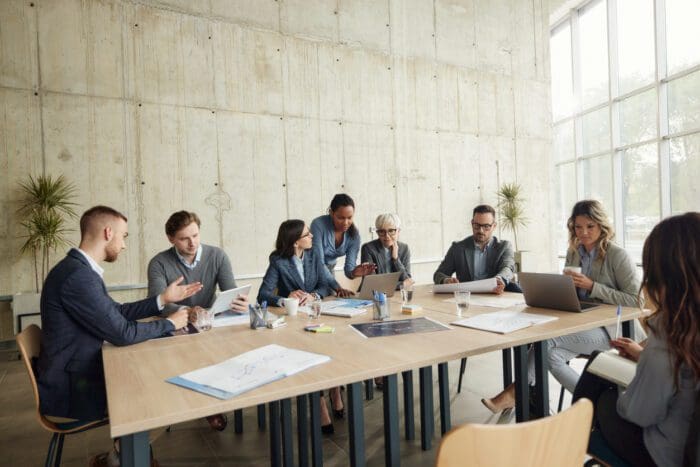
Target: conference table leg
(316,442)
(275,434)
(303,430)
(541,380)
(369,389)
(628,329)
(425,376)
(238,421)
(444,390)
(391,421)
(408,415)
(134,450)
(522,393)
(356,424)
(287,433)
(261,417)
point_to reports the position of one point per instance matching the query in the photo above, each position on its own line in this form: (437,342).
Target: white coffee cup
(291,305)
(576,269)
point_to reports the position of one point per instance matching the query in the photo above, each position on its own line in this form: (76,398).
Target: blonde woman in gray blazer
(608,275)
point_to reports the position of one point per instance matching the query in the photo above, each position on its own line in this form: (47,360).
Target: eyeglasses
(485,227)
(383,232)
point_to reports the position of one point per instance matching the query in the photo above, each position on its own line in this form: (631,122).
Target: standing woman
(387,253)
(335,235)
(648,423)
(608,275)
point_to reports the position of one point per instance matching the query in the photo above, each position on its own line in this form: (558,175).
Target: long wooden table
(140,399)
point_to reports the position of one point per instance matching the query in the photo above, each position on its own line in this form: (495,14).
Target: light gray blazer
(615,280)
(373,252)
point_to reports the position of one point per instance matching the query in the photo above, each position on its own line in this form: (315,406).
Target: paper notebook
(611,366)
(504,321)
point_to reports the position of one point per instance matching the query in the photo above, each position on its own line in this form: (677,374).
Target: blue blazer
(77,315)
(282,278)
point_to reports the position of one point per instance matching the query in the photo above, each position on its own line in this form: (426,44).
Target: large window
(626,112)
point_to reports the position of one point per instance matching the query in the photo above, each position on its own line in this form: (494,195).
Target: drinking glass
(204,319)
(315,307)
(462,299)
(406,293)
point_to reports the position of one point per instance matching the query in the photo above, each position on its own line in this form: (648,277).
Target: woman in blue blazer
(296,271)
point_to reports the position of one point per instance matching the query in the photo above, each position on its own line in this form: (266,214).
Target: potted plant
(512,213)
(46,203)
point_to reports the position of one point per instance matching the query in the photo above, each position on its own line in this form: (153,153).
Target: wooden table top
(140,399)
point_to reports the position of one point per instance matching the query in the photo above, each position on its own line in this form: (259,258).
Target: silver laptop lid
(381,282)
(556,291)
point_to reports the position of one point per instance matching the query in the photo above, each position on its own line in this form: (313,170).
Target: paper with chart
(503,321)
(482,286)
(346,308)
(248,371)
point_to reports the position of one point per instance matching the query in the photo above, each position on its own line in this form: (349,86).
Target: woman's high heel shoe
(340,413)
(327,429)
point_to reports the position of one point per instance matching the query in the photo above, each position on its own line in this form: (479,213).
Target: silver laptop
(555,291)
(380,282)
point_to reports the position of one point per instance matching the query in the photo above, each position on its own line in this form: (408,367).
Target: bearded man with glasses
(480,256)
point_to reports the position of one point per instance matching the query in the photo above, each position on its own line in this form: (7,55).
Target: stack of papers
(503,321)
(230,318)
(248,371)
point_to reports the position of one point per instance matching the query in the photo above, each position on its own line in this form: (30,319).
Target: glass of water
(204,319)
(462,299)
(315,307)
(406,292)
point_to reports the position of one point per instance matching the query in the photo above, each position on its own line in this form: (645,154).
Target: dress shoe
(504,400)
(218,422)
(327,429)
(338,414)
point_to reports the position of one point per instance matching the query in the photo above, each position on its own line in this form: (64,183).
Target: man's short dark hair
(180,220)
(95,212)
(484,209)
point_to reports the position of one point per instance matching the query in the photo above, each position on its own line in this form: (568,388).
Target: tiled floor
(24,443)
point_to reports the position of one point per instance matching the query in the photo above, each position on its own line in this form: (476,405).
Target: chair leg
(462,369)
(49,454)
(59,450)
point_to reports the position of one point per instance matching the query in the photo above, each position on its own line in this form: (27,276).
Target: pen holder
(381,310)
(257,317)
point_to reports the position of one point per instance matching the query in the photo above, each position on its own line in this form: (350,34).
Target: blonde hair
(593,210)
(388,218)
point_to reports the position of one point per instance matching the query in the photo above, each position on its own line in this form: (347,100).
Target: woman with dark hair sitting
(296,272)
(647,424)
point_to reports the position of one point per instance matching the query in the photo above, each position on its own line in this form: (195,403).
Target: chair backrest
(559,440)
(29,343)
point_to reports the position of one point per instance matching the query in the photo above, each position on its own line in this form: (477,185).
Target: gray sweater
(652,402)
(214,269)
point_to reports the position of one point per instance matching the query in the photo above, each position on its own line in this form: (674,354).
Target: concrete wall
(252,112)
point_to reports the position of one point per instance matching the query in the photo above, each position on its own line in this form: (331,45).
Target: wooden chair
(29,343)
(559,440)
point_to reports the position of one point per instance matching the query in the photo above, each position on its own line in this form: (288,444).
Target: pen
(619,322)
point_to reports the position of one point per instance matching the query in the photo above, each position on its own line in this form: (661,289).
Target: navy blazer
(77,315)
(283,276)
(500,261)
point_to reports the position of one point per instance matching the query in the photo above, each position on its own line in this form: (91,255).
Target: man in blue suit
(78,315)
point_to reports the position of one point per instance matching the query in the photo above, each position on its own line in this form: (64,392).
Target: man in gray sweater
(196,263)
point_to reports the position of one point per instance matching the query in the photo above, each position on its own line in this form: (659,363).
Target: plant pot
(25,310)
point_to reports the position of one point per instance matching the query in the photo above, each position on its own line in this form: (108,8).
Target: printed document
(482,286)
(503,321)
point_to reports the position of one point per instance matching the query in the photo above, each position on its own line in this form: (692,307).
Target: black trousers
(623,437)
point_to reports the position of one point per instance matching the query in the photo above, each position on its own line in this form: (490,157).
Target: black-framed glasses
(485,227)
(383,232)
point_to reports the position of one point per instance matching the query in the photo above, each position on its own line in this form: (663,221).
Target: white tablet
(224,299)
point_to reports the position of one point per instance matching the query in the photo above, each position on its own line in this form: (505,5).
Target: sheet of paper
(611,366)
(230,318)
(344,311)
(482,286)
(503,321)
(249,370)
(493,301)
